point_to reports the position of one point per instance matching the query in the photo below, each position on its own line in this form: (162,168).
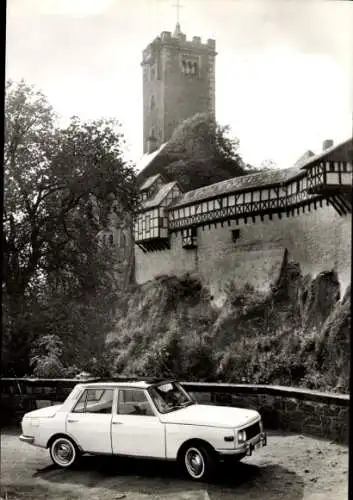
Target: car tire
(64,452)
(199,462)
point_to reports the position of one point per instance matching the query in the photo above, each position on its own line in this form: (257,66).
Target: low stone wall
(304,411)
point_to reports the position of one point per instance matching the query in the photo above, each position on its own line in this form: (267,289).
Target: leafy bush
(46,357)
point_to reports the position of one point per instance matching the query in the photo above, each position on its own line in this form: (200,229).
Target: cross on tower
(178,7)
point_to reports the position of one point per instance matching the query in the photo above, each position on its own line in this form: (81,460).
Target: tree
(206,153)
(268,164)
(200,152)
(58,187)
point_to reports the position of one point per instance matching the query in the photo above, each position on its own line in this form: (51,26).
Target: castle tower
(178,82)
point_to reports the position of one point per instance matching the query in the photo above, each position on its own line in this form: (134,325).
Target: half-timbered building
(171,226)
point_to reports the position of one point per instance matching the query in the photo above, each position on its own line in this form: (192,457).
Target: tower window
(189,66)
(152,73)
(152,102)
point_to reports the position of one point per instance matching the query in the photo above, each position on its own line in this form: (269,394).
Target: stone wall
(318,240)
(296,410)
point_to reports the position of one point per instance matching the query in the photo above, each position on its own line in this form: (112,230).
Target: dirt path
(292,467)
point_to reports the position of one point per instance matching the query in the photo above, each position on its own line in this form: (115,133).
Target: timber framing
(324,178)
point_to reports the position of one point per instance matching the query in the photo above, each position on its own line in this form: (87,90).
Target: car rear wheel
(64,452)
(199,462)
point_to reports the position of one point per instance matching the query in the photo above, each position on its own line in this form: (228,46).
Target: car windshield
(169,397)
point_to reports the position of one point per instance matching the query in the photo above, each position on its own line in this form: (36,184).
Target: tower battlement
(180,41)
(180,38)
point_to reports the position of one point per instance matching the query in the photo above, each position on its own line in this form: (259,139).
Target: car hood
(47,412)
(215,416)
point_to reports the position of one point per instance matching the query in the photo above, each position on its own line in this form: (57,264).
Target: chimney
(328,143)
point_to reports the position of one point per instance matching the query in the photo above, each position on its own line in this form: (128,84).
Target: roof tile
(264,178)
(159,196)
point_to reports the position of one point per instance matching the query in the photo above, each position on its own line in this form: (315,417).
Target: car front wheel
(64,452)
(199,462)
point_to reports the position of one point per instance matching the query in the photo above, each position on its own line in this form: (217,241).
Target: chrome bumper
(247,448)
(27,439)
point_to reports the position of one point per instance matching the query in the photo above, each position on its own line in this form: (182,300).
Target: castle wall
(318,240)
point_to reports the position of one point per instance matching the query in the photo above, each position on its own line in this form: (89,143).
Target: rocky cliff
(298,333)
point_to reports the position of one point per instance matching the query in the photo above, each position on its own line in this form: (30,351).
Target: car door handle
(117,423)
(71,421)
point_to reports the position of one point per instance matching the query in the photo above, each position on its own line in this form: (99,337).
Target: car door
(89,422)
(136,428)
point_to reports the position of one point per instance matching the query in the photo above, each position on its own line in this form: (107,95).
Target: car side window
(134,402)
(95,401)
(80,405)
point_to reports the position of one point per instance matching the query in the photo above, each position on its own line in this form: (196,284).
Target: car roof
(137,384)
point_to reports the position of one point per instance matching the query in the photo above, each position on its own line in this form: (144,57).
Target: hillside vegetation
(296,334)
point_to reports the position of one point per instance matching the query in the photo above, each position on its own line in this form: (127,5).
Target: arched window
(152,133)
(189,67)
(152,102)
(111,240)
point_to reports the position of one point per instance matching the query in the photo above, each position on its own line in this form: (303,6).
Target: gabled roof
(150,181)
(159,196)
(147,158)
(245,182)
(313,159)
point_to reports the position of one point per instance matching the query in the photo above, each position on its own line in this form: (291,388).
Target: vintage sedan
(157,420)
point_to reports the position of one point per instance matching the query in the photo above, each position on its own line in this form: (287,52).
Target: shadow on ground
(149,477)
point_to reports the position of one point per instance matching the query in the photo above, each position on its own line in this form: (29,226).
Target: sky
(284,69)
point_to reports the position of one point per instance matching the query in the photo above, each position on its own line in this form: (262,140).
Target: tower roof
(177,32)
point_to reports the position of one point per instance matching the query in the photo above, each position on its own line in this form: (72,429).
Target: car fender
(178,434)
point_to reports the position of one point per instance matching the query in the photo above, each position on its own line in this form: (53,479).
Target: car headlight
(241,436)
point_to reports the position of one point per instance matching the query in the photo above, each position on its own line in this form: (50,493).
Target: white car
(143,419)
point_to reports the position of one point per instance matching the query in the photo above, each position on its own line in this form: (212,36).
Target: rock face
(334,353)
(318,299)
(295,334)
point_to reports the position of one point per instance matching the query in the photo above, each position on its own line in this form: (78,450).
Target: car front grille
(252,431)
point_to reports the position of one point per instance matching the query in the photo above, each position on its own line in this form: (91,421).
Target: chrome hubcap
(194,462)
(63,452)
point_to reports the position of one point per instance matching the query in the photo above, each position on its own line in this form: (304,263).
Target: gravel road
(291,467)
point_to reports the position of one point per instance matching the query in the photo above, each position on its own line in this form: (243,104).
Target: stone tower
(178,82)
